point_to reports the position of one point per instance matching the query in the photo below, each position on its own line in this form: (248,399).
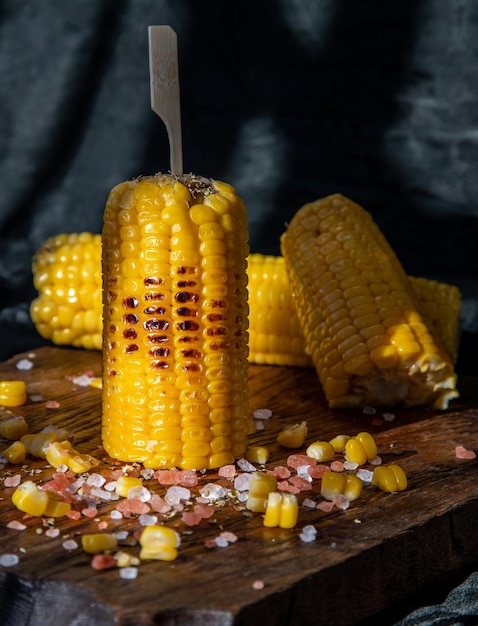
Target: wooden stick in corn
(175,383)
(364,329)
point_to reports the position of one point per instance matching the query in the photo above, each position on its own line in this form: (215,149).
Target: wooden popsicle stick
(164,85)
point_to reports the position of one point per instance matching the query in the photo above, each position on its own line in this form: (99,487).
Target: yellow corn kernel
(321,451)
(260,486)
(176,316)
(257,454)
(389,478)
(125,483)
(13,392)
(159,542)
(293,436)
(281,510)
(15,453)
(275,335)
(360,449)
(95,543)
(62,453)
(334,483)
(364,328)
(55,506)
(37,444)
(29,498)
(13,427)
(67,276)
(338,442)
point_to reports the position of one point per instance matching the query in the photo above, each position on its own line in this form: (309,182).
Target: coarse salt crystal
(242,496)
(96,480)
(221,542)
(262,414)
(350,465)
(12,481)
(242,482)
(308,533)
(369,410)
(308,503)
(36,397)
(463,453)
(115,514)
(365,475)
(52,532)
(70,544)
(52,404)
(338,466)
(82,381)
(111,486)
(388,417)
(341,502)
(9,560)
(259,425)
(148,520)
(24,364)
(258,585)
(16,525)
(102,494)
(175,494)
(128,573)
(376,461)
(227,471)
(141,493)
(245,466)
(212,491)
(303,472)
(122,535)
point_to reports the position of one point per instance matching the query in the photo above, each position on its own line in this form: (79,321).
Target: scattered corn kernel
(159,542)
(334,484)
(13,392)
(15,453)
(321,451)
(360,449)
(125,483)
(13,427)
(338,442)
(257,454)
(63,453)
(389,478)
(95,543)
(293,436)
(56,507)
(37,444)
(260,486)
(29,498)
(281,510)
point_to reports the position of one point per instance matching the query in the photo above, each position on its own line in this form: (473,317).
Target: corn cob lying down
(68,309)
(275,334)
(364,329)
(175,385)
(67,276)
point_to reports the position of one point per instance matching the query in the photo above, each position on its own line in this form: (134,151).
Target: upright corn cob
(367,337)
(175,385)
(67,275)
(275,334)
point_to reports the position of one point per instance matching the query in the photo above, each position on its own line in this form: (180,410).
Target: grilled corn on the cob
(175,385)
(364,329)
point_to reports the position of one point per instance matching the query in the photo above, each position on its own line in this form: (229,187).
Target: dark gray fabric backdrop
(288,100)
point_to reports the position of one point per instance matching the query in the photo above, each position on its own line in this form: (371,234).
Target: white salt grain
(116,514)
(365,475)
(245,466)
(141,493)
(175,494)
(350,465)
(70,544)
(148,520)
(213,492)
(242,482)
(128,573)
(9,560)
(262,414)
(388,417)
(24,364)
(308,503)
(82,381)
(221,542)
(122,535)
(96,480)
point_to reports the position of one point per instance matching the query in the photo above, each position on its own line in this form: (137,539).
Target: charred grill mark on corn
(364,329)
(175,386)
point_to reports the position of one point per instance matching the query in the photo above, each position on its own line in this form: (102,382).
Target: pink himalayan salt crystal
(301,483)
(227,471)
(258,585)
(341,502)
(317,471)
(16,525)
(12,481)
(89,511)
(210,543)
(158,505)
(281,472)
(52,533)
(325,506)
(190,518)
(188,478)
(75,515)
(52,404)
(297,460)
(102,525)
(462,453)
(337,466)
(204,511)
(284,485)
(132,506)
(167,477)
(103,561)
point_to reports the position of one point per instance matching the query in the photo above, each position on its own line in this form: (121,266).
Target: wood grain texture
(381,549)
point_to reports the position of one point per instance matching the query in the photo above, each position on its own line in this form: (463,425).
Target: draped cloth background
(288,100)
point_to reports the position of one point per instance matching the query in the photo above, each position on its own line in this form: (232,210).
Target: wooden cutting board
(382,548)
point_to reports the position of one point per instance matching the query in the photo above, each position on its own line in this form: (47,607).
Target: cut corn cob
(67,276)
(175,383)
(368,339)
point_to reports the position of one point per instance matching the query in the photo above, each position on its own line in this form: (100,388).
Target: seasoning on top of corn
(175,384)
(368,339)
